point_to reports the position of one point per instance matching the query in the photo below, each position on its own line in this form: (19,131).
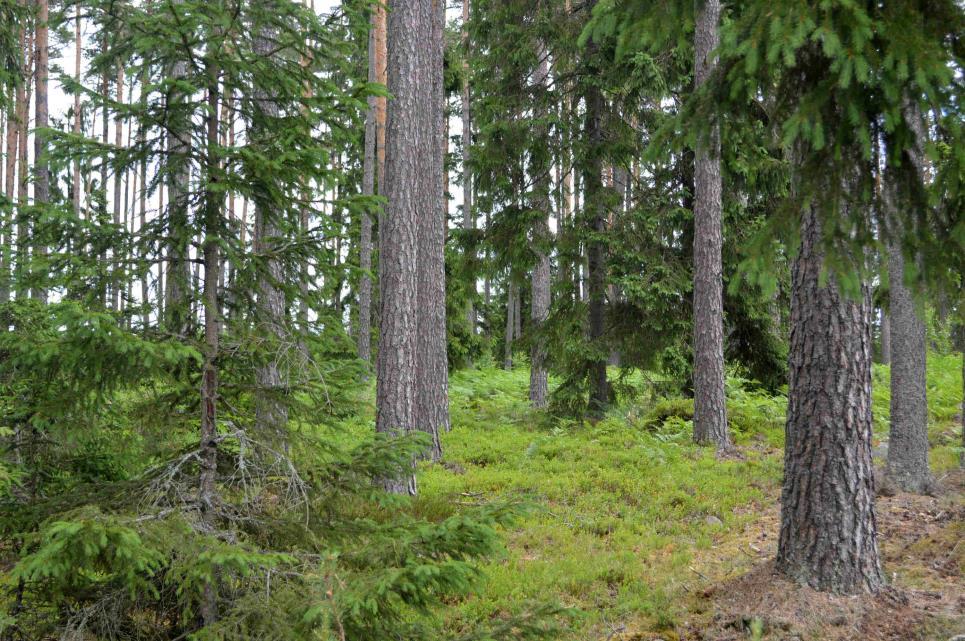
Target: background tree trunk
(118,187)
(510,326)
(710,409)
(828,528)
(595,211)
(78,55)
(468,214)
(23,173)
(178,283)
(271,412)
(373,162)
(885,337)
(907,465)
(540,285)
(42,121)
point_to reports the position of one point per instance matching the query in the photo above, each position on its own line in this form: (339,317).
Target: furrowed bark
(828,526)
(710,410)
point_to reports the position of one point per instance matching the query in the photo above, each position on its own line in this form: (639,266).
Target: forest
(482,320)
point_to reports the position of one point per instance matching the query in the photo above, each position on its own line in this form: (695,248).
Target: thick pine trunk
(828,528)
(6,218)
(412,190)
(710,410)
(432,402)
(373,165)
(540,284)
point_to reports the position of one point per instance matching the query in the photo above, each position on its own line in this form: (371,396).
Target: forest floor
(646,536)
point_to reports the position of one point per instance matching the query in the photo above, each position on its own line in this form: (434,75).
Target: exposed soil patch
(921,543)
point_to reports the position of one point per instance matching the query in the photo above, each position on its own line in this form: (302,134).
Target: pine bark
(432,402)
(596,268)
(178,281)
(468,214)
(885,337)
(118,187)
(412,191)
(6,218)
(25,91)
(207,492)
(710,410)
(540,282)
(42,121)
(78,54)
(828,527)
(510,326)
(373,163)
(907,465)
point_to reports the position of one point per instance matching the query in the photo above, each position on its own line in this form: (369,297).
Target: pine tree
(710,410)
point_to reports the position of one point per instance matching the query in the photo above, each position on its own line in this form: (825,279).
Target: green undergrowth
(944,387)
(621,512)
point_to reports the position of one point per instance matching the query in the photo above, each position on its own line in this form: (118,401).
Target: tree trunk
(907,465)
(176,295)
(24,91)
(828,528)
(510,326)
(540,285)
(271,412)
(41,121)
(412,190)
(710,410)
(374,163)
(118,187)
(432,402)
(78,55)
(885,337)
(207,493)
(7,218)
(595,211)
(468,214)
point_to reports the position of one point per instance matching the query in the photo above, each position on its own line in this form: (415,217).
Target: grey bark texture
(412,150)
(907,465)
(510,326)
(710,409)
(207,491)
(372,165)
(885,337)
(540,282)
(432,402)
(41,121)
(178,281)
(271,316)
(468,214)
(828,527)
(596,267)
